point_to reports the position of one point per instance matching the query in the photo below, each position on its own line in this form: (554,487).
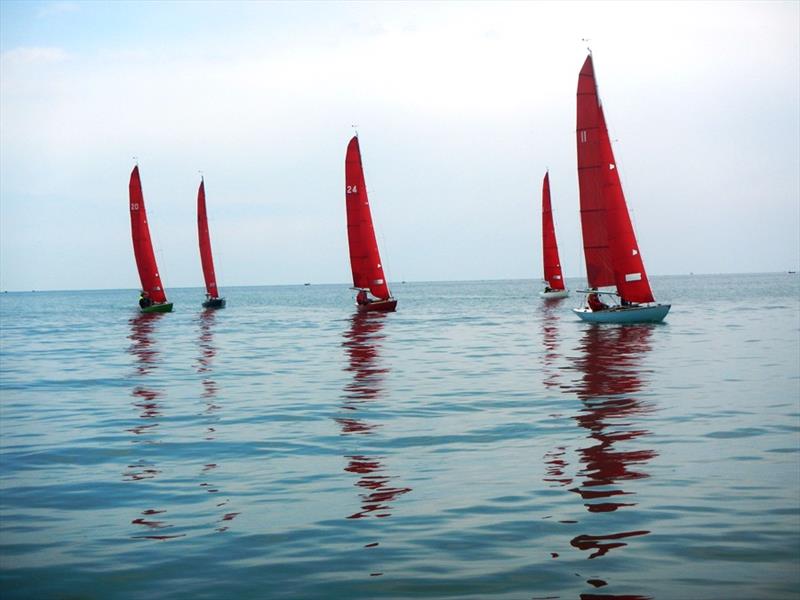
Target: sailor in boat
(362,298)
(145,300)
(594,302)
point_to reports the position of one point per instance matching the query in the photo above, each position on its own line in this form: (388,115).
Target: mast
(142,243)
(365,260)
(206,258)
(552,264)
(609,243)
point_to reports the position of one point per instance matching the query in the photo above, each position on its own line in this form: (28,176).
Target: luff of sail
(365,260)
(142,243)
(609,243)
(206,259)
(552,264)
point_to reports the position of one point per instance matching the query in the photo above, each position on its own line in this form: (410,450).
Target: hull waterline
(633,314)
(214,303)
(387,305)
(554,295)
(158,308)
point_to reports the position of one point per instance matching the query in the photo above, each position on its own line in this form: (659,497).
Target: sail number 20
(352,189)
(134,206)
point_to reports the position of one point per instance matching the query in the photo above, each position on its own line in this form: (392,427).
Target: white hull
(555,294)
(629,314)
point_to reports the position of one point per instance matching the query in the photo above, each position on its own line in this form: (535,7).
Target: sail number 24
(352,189)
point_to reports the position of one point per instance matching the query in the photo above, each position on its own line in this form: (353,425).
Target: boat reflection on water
(362,344)
(611,378)
(146,355)
(205,365)
(551,358)
(205,368)
(147,402)
(550,340)
(142,348)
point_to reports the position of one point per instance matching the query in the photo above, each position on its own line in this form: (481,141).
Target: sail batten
(204,238)
(610,249)
(365,260)
(550,258)
(142,242)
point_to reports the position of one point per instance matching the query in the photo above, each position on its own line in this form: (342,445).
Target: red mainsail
(142,244)
(609,243)
(365,260)
(552,265)
(205,242)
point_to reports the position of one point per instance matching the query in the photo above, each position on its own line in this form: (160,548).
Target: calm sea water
(478,443)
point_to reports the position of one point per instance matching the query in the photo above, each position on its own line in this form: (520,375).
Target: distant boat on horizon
(609,242)
(365,260)
(213,299)
(551,263)
(153,299)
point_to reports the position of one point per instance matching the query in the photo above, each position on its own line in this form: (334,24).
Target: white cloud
(28,55)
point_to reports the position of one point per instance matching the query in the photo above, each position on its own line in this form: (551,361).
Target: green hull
(158,308)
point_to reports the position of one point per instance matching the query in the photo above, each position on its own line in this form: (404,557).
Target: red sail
(205,243)
(364,257)
(552,265)
(142,245)
(609,244)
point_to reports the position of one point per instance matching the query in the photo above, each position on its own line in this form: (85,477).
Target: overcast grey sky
(460,109)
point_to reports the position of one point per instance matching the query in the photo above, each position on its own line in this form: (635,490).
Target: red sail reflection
(146,356)
(611,378)
(205,363)
(362,344)
(550,341)
(142,348)
(205,368)
(146,401)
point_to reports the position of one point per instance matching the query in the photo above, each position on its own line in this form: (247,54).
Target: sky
(460,109)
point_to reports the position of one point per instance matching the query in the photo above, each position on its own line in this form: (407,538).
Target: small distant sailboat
(609,243)
(213,299)
(552,265)
(365,260)
(152,299)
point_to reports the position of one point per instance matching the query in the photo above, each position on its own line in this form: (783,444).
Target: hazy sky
(460,109)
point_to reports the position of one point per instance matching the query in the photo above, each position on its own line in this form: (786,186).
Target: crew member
(595,303)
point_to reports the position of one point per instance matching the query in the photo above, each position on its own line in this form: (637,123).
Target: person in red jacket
(595,303)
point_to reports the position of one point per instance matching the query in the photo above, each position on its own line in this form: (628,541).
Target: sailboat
(153,299)
(552,265)
(212,294)
(609,243)
(365,260)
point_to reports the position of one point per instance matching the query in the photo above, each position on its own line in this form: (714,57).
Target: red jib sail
(142,244)
(609,244)
(365,260)
(552,265)
(205,243)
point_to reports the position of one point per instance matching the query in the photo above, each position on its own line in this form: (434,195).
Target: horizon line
(311,283)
